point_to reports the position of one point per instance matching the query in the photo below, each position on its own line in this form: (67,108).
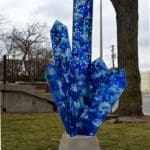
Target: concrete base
(79,143)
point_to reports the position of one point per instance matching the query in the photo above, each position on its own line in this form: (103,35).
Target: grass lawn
(43,131)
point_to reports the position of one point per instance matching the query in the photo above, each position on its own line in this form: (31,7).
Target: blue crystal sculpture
(84,91)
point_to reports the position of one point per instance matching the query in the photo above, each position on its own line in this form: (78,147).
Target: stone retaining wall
(25,99)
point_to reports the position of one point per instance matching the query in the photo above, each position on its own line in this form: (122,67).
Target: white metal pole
(101,29)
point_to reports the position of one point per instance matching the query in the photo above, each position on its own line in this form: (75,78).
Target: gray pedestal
(79,143)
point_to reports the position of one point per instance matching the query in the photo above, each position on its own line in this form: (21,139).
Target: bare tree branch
(29,43)
(2,19)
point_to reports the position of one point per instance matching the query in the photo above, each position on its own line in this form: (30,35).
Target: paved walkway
(146,104)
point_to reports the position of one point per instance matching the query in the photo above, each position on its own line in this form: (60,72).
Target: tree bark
(127,36)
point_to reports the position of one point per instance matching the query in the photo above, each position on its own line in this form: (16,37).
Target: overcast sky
(21,12)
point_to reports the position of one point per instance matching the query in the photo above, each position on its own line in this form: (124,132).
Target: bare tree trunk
(25,63)
(127,37)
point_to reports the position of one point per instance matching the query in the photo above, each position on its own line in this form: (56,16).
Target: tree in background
(28,40)
(3,21)
(41,59)
(127,37)
(31,46)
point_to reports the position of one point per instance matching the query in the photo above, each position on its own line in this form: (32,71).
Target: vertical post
(101,29)
(33,70)
(113,56)
(12,70)
(4,70)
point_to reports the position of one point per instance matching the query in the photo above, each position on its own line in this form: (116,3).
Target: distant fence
(19,70)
